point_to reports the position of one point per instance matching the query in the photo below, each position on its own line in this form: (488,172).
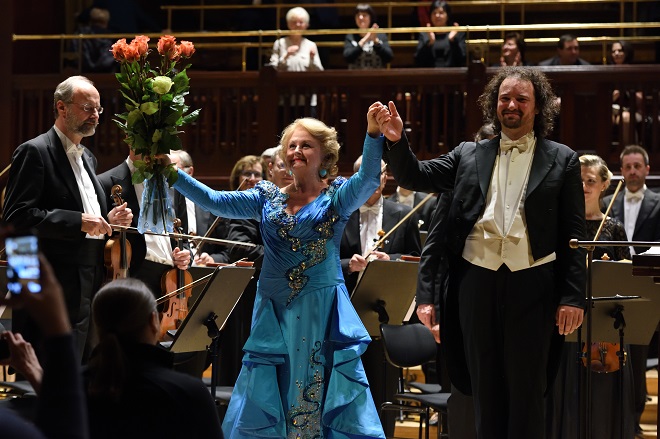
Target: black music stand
(200,330)
(384,292)
(621,302)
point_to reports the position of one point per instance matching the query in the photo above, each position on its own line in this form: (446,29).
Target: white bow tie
(634,196)
(75,150)
(375,209)
(507,145)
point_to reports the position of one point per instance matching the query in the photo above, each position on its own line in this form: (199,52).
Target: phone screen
(23,264)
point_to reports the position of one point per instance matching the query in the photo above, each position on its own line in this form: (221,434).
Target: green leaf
(191,117)
(133,117)
(138,177)
(149,108)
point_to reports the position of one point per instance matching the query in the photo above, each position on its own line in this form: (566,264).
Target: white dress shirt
(371,222)
(632,202)
(500,234)
(83,181)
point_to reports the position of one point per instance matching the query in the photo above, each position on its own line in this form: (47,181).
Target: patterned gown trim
(314,251)
(305,419)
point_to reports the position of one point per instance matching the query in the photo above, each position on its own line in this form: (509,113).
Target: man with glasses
(53,189)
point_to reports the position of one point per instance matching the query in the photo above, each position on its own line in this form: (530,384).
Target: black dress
(562,406)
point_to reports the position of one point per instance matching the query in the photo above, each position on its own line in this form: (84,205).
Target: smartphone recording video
(23,264)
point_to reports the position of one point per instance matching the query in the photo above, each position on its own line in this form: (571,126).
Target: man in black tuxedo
(52,188)
(638,208)
(197,221)
(517,287)
(361,230)
(152,255)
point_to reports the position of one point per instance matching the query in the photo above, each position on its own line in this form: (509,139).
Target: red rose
(118,50)
(131,53)
(166,44)
(141,43)
(186,49)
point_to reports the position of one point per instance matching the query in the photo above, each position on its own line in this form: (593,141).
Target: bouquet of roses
(155,110)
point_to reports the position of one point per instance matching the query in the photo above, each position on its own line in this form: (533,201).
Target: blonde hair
(594,161)
(325,135)
(297,12)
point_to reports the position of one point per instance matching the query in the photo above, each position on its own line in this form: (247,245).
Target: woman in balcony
(369,49)
(295,53)
(441,49)
(513,50)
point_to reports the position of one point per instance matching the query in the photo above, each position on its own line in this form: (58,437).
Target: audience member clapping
(437,49)
(369,49)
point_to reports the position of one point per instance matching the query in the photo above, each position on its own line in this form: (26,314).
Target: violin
(604,357)
(175,308)
(117,252)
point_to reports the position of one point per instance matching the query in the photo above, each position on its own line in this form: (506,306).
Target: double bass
(175,308)
(117,252)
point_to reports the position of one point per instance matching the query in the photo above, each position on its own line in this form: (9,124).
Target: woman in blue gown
(302,376)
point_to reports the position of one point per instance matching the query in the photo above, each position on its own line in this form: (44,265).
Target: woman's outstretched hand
(373,128)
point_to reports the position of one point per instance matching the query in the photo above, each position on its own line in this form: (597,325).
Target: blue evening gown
(302,376)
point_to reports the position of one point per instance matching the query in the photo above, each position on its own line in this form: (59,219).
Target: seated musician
(358,240)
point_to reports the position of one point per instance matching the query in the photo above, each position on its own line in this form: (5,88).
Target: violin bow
(215,223)
(408,215)
(607,211)
(130,229)
(202,280)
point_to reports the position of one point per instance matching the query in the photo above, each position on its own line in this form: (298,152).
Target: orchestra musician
(563,401)
(197,221)
(53,189)
(152,255)
(360,234)
(638,208)
(516,204)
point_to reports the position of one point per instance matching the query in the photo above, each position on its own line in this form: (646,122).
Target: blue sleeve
(226,204)
(357,189)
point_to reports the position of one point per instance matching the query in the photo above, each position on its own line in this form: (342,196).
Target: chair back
(408,345)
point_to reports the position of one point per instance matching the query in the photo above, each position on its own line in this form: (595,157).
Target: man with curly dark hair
(512,278)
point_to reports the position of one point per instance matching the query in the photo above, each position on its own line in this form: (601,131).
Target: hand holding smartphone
(23,270)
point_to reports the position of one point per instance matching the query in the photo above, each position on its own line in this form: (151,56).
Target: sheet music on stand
(384,293)
(219,297)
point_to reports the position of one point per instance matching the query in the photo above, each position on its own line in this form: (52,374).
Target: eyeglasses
(88,108)
(251,174)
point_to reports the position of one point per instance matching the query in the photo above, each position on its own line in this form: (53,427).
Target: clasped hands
(384,120)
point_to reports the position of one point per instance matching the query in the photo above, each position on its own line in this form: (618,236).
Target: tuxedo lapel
(544,157)
(648,204)
(62,166)
(485,156)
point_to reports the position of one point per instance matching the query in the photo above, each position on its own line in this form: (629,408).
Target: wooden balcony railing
(243,113)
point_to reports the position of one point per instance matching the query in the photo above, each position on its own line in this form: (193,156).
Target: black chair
(410,346)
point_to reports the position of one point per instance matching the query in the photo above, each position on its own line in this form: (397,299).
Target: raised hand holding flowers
(155,109)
